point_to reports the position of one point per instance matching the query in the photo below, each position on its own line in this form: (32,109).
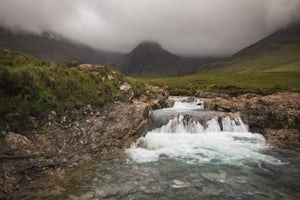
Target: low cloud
(190,27)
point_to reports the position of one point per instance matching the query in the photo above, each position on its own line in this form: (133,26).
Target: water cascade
(191,153)
(193,135)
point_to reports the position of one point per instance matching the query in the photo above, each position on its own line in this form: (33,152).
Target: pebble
(215,177)
(178,182)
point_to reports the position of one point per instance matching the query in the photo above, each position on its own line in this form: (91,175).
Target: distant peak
(149,45)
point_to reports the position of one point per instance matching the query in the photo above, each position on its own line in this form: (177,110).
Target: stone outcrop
(65,141)
(275,116)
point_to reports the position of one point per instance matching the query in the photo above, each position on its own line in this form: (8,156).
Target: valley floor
(233,84)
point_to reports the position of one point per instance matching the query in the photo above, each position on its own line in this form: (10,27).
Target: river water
(192,154)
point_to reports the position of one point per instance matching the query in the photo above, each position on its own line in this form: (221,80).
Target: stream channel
(190,153)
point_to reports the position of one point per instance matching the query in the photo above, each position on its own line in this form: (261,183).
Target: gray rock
(58,143)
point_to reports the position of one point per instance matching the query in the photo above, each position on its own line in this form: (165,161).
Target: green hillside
(29,87)
(279,52)
(233,84)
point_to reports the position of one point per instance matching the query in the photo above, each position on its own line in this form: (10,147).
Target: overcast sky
(184,27)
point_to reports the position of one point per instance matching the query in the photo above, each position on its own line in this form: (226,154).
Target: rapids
(190,153)
(221,139)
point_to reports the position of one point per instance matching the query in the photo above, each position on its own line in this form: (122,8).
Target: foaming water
(207,147)
(185,124)
(194,154)
(220,140)
(186,103)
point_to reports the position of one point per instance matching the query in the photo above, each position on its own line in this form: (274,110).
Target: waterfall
(181,124)
(186,132)
(185,124)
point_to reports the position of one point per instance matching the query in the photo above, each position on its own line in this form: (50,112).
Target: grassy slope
(284,59)
(234,84)
(279,52)
(29,87)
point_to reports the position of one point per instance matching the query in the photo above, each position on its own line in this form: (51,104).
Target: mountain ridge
(280,51)
(50,46)
(149,58)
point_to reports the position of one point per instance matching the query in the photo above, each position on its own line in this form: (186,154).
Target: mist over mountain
(278,52)
(186,28)
(50,46)
(150,59)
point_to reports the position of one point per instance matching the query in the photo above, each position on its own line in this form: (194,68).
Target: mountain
(279,52)
(150,59)
(49,46)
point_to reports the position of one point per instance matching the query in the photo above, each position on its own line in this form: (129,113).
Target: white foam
(214,147)
(180,103)
(187,140)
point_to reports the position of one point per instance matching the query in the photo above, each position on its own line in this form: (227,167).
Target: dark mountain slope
(278,52)
(150,59)
(52,47)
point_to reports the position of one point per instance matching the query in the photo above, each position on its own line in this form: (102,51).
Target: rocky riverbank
(58,143)
(62,142)
(276,116)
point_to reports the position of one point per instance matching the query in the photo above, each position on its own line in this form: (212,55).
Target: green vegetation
(279,52)
(283,59)
(29,87)
(268,66)
(73,62)
(233,84)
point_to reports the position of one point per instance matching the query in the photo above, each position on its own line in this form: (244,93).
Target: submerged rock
(178,182)
(218,177)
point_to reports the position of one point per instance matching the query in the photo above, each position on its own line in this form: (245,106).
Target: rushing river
(193,154)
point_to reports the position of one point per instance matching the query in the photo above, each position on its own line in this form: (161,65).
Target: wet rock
(61,142)
(212,190)
(278,111)
(210,95)
(220,104)
(190,99)
(215,176)
(282,137)
(169,103)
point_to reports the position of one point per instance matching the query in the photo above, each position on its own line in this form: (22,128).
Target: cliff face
(276,116)
(61,142)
